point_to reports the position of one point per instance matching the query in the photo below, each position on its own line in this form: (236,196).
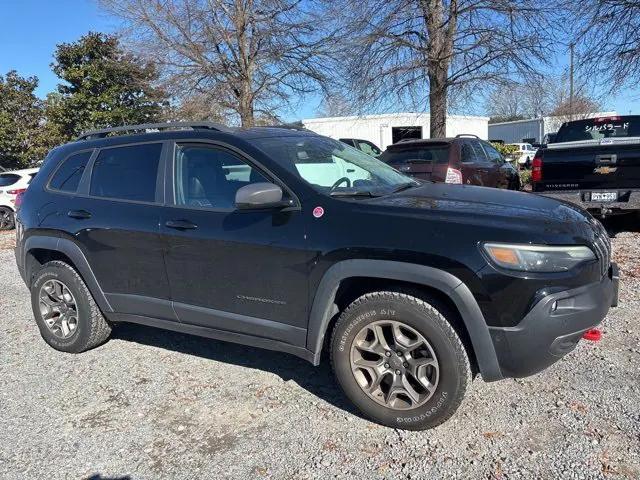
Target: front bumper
(554,326)
(629,200)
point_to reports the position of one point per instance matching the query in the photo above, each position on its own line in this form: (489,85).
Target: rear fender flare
(324,308)
(73,251)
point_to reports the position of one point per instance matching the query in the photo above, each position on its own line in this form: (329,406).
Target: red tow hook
(593,335)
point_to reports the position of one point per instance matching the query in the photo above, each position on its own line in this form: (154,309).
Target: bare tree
(405,48)
(533,99)
(250,57)
(335,105)
(607,37)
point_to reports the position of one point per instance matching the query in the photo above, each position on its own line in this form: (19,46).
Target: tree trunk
(437,105)
(438,59)
(245,106)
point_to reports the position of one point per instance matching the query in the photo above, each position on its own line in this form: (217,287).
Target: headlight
(537,258)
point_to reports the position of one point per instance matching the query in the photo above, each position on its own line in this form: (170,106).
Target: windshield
(597,128)
(331,167)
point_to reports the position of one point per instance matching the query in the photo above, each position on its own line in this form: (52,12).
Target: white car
(525,153)
(11,184)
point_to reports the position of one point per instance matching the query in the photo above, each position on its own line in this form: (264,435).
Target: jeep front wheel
(399,360)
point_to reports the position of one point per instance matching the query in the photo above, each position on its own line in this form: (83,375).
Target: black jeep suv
(287,240)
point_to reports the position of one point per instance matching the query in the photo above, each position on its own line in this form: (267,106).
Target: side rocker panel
(324,308)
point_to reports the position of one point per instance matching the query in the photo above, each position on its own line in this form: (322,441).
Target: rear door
(476,168)
(114,216)
(501,173)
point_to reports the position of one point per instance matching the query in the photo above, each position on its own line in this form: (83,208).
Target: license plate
(604,196)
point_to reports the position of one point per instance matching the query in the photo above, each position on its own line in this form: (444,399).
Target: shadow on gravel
(629,222)
(97,476)
(317,380)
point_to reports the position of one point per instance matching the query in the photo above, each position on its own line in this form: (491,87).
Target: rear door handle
(79,214)
(181,224)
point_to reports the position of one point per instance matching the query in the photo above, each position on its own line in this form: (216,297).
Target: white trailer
(385,129)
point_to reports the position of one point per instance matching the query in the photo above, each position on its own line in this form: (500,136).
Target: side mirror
(259,195)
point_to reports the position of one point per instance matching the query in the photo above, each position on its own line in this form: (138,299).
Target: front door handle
(181,224)
(79,214)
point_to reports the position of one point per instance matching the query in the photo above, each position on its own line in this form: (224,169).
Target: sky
(31,29)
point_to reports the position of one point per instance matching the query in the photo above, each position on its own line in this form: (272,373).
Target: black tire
(455,370)
(92,328)
(7,219)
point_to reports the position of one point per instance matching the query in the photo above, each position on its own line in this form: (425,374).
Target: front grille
(602,246)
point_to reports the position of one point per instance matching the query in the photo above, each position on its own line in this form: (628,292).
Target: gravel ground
(150,404)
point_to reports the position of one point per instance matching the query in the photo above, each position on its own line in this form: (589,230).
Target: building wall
(516,131)
(378,128)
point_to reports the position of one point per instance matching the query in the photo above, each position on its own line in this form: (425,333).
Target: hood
(482,206)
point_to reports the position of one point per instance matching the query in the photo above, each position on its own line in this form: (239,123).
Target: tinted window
(368,148)
(430,154)
(480,156)
(210,177)
(7,179)
(68,176)
(492,153)
(597,128)
(127,173)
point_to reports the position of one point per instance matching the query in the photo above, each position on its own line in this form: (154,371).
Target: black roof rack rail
(470,135)
(92,134)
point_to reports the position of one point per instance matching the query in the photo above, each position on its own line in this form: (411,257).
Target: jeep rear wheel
(399,360)
(65,311)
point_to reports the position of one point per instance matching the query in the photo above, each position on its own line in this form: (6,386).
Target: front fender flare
(324,308)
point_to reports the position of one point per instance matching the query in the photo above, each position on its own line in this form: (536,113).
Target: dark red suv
(463,159)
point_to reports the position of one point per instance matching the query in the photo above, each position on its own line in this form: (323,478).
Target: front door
(236,270)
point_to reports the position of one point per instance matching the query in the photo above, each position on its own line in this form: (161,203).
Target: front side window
(333,168)
(209,177)
(67,177)
(127,173)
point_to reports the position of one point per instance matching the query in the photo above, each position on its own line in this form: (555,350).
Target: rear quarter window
(436,154)
(126,173)
(68,175)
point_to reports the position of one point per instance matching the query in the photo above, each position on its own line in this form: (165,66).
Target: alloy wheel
(58,308)
(394,364)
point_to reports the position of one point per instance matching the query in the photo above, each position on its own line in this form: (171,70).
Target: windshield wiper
(404,186)
(351,193)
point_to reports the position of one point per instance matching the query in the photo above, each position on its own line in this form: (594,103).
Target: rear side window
(67,177)
(431,154)
(127,173)
(7,179)
(492,153)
